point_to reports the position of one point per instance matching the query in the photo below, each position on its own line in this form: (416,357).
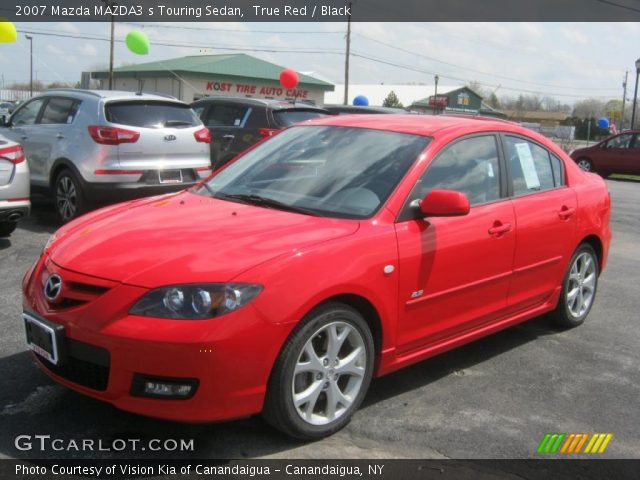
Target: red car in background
(617,154)
(336,251)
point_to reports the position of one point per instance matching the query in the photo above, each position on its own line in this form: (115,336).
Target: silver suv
(89,146)
(14,186)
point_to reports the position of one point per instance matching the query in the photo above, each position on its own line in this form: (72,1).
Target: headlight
(195,302)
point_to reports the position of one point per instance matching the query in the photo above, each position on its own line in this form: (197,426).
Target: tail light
(112,135)
(203,135)
(14,154)
(267,132)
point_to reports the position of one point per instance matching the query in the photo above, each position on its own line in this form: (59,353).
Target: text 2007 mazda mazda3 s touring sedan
(337,250)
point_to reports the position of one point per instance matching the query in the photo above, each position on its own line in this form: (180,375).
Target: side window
(226,116)
(636,141)
(558,171)
(621,141)
(530,165)
(27,115)
(470,166)
(60,111)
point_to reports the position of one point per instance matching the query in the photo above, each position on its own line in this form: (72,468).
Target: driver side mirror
(444,203)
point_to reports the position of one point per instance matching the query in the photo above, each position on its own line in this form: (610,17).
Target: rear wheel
(7,228)
(585,164)
(69,197)
(322,373)
(578,289)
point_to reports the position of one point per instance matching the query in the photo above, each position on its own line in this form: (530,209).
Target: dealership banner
(320,10)
(380,469)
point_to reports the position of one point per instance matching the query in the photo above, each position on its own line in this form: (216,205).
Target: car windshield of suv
(151,114)
(320,170)
(287,117)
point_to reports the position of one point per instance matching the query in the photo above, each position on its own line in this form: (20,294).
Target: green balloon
(138,42)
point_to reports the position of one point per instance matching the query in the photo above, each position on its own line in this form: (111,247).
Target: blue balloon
(361,101)
(603,122)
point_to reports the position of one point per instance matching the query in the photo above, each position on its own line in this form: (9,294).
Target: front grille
(85,364)
(77,289)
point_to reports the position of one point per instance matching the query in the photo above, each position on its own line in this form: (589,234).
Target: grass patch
(622,176)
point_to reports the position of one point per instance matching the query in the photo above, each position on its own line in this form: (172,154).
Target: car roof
(111,94)
(266,102)
(362,109)
(426,125)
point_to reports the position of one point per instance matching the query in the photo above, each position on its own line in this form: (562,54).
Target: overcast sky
(571,60)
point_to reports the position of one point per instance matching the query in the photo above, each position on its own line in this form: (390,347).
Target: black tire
(7,228)
(585,164)
(564,316)
(280,410)
(68,196)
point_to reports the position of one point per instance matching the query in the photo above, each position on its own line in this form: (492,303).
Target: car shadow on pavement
(31,404)
(43,218)
(4,243)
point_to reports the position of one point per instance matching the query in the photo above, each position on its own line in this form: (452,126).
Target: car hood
(185,238)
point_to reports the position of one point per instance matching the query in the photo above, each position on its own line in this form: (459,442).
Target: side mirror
(444,203)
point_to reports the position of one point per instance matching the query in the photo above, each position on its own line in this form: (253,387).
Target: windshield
(331,171)
(151,114)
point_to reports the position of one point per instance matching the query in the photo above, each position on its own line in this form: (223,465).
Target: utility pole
(435,96)
(30,38)
(624,98)
(110,4)
(346,60)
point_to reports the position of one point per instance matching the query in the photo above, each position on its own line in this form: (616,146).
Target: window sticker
(527,165)
(490,170)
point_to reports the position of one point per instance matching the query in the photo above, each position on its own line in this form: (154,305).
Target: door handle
(228,137)
(23,137)
(566,212)
(59,136)
(499,229)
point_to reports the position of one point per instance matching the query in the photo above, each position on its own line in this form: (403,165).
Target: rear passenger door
(227,123)
(545,210)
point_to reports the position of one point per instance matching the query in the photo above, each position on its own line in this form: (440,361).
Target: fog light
(159,387)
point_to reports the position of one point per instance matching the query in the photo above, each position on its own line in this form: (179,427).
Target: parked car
(238,123)
(358,109)
(90,146)
(340,249)
(14,186)
(617,154)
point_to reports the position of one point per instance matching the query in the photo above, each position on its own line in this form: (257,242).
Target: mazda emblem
(53,287)
(170,138)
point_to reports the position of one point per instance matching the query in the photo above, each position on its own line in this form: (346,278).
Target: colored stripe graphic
(552,443)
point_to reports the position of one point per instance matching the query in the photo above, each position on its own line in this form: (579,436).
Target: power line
(614,4)
(477,71)
(239,30)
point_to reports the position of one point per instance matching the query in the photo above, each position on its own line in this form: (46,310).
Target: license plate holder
(170,176)
(45,338)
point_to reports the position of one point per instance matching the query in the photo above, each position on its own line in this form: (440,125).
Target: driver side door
(455,271)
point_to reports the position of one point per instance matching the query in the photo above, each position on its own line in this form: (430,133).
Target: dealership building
(194,77)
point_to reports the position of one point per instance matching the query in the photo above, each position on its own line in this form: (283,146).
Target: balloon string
(179,77)
(39,60)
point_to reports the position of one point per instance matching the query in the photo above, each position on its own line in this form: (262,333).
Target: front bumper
(231,356)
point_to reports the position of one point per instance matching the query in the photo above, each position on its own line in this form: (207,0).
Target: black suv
(237,123)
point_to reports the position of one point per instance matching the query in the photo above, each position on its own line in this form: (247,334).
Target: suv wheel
(69,198)
(322,373)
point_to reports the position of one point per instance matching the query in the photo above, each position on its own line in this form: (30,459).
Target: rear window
(284,118)
(151,114)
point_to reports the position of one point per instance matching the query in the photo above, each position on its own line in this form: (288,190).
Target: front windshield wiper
(253,199)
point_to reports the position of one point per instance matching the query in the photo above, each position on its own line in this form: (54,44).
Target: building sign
(257,90)
(438,101)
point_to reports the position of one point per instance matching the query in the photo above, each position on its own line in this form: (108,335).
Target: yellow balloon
(8,32)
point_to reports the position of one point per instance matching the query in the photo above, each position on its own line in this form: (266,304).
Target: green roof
(233,65)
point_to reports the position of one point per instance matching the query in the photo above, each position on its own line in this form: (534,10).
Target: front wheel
(578,288)
(585,164)
(322,373)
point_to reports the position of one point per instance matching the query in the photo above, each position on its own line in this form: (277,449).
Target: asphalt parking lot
(495,398)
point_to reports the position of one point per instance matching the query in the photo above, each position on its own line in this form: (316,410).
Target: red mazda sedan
(336,251)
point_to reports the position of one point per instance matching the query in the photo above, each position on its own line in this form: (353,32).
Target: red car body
(617,154)
(501,264)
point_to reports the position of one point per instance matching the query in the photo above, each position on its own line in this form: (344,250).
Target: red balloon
(289,78)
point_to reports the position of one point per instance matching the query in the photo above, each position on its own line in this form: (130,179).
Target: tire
(7,228)
(581,277)
(313,419)
(585,164)
(69,198)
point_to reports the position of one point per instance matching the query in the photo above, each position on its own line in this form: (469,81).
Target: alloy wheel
(581,286)
(584,164)
(329,373)
(66,198)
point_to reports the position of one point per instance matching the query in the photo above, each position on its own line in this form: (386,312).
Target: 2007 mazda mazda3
(336,251)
